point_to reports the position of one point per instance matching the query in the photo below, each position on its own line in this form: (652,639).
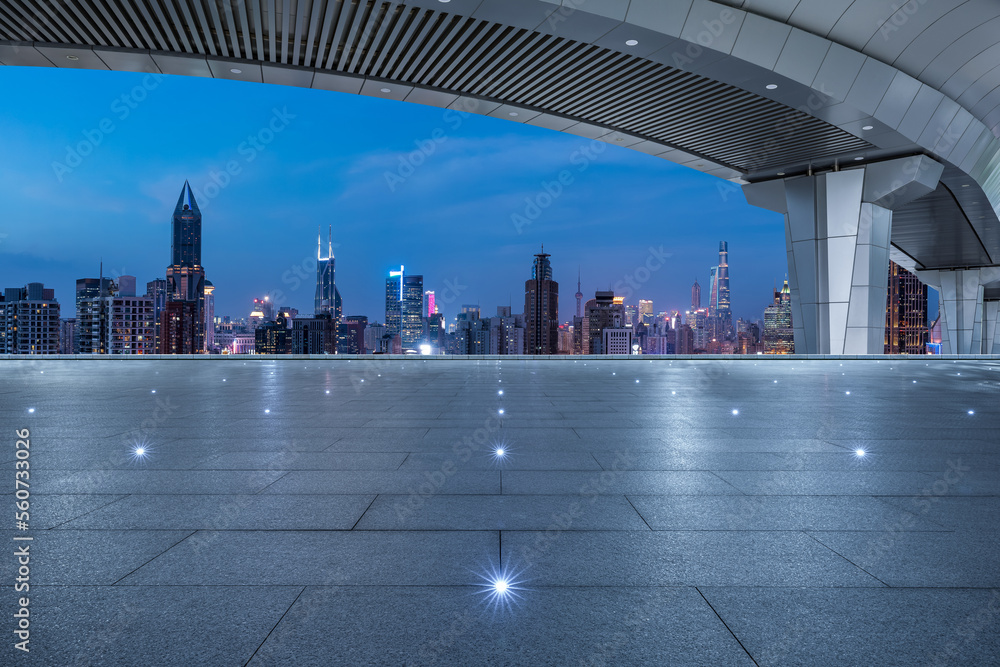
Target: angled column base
(837,231)
(962,307)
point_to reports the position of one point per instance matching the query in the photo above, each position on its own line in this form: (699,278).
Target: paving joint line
(726,625)
(271,631)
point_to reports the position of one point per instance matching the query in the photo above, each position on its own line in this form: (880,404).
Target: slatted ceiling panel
(511,79)
(380,34)
(315,21)
(627,77)
(448,33)
(341,33)
(473,60)
(363,32)
(25,19)
(247,31)
(174,21)
(456,52)
(570,98)
(230,28)
(145,25)
(399,22)
(414,25)
(468,56)
(254,11)
(65,22)
(216,30)
(483,57)
(511,60)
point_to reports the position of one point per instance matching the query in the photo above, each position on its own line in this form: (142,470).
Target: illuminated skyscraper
(185,275)
(721,317)
(646,312)
(779,337)
(327,299)
(403,306)
(906,313)
(430,307)
(29,320)
(722,282)
(695,296)
(157,290)
(541,308)
(602,313)
(209,315)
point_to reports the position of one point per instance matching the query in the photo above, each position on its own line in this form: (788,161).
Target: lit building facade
(29,323)
(646,312)
(157,290)
(779,337)
(602,312)
(905,313)
(617,338)
(541,308)
(404,301)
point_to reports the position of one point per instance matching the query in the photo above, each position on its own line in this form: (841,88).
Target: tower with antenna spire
(541,308)
(579,294)
(327,300)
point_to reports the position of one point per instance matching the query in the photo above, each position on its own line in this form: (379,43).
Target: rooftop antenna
(330,251)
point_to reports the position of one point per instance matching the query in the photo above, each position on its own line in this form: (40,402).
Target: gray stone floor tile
(915,559)
(859,627)
(228,512)
(775,513)
(325,558)
(515,458)
(303,461)
(156,481)
(848,482)
(452,626)
(483,512)
(695,558)
(616,482)
(88,557)
(150,625)
(425,482)
(965,513)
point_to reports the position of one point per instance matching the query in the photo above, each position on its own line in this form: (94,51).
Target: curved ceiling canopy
(744,91)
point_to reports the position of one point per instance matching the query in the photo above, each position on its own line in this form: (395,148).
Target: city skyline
(451,219)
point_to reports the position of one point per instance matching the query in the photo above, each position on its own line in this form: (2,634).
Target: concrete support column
(962,308)
(837,231)
(991,344)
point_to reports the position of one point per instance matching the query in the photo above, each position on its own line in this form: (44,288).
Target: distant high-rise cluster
(176,315)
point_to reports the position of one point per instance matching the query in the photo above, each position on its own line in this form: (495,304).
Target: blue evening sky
(451,219)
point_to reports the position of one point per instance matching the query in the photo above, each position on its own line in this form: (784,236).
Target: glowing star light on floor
(860,453)
(139,453)
(500,587)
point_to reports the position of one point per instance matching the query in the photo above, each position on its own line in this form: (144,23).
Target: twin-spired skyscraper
(327,300)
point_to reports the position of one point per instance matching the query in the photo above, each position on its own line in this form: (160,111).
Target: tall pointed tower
(186,275)
(579,295)
(327,298)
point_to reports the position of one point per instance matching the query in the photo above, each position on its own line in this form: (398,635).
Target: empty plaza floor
(335,512)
